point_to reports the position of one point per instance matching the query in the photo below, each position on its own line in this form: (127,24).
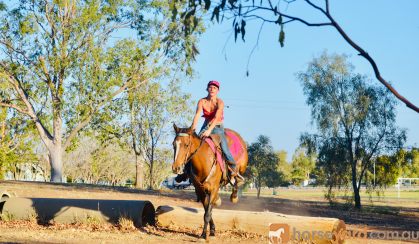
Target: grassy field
(388,197)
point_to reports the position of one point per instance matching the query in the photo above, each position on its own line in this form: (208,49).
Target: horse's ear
(176,128)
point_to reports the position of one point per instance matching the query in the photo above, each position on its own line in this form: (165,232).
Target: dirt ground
(392,218)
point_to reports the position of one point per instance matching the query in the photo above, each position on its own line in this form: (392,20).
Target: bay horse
(206,174)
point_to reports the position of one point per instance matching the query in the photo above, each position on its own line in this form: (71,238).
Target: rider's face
(212,90)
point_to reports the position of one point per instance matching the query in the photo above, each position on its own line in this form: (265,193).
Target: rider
(212,108)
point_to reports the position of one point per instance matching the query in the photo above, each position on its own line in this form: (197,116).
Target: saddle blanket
(235,149)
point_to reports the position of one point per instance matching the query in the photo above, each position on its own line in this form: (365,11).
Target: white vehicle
(172,184)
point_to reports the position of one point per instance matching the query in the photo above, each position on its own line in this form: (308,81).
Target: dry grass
(126,225)
(7,217)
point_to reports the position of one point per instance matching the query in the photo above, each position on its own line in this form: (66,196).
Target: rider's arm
(218,115)
(197,114)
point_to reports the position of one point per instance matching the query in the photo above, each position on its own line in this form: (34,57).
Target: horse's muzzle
(177,170)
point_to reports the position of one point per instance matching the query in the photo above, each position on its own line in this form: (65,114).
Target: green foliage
(302,165)
(355,123)
(263,164)
(16,148)
(410,164)
(284,167)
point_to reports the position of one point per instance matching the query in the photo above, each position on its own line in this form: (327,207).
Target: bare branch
(316,7)
(14,106)
(254,48)
(291,18)
(327,6)
(364,54)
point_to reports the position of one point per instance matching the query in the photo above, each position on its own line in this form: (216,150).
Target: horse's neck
(197,149)
(195,145)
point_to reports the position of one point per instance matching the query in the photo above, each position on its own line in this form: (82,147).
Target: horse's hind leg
(233,197)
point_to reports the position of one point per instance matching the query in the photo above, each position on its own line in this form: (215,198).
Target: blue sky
(271,102)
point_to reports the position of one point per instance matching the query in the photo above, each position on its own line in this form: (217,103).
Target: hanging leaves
(242,29)
(236,31)
(216,13)
(282,36)
(174,13)
(207,4)
(223,4)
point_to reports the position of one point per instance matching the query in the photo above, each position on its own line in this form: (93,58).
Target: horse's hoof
(234,199)
(218,202)
(201,239)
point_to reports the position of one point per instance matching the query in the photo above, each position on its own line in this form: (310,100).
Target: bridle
(189,155)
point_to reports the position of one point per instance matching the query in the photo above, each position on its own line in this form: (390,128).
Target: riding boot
(235,174)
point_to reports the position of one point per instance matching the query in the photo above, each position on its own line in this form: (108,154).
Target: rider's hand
(205,134)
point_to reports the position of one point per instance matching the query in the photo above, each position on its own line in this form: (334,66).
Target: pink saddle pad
(236,148)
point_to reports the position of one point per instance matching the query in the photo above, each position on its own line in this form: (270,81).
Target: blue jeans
(219,130)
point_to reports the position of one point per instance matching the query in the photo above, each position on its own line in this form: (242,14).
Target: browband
(183,134)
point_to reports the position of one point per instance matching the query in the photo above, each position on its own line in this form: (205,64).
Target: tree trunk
(259,186)
(356,188)
(139,172)
(56,161)
(151,174)
(151,167)
(357,198)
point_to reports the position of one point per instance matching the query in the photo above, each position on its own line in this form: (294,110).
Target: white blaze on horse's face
(180,147)
(177,147)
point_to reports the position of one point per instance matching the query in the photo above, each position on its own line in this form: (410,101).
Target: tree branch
(316,7)
(291,18)
(83,123)
(17,86)
(20,110)
(364,54)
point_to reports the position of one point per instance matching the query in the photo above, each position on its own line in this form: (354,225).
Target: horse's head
(181,147)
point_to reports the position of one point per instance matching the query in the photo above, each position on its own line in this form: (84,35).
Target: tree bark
(139,175)
(56,162)
(356,188)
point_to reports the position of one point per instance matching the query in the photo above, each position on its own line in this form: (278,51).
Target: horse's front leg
(207,216)
(212,226)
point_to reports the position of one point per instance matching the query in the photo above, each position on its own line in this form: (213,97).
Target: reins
(190,155)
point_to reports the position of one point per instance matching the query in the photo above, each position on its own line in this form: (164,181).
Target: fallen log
(299,228)
(69,211)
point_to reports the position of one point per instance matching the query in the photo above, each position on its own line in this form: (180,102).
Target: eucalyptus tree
(356,121)
(64,62)
(153,109)
(263,164)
